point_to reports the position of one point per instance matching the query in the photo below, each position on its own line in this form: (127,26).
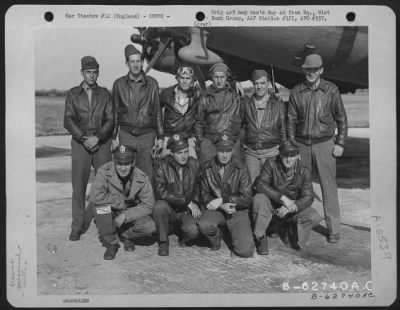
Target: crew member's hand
(229,207)
(282,211)
(214,204)
(287,201)
(337,150)
(91,142)
(120,219)
(239,89)
(194,208)
(292,207)
(114,144)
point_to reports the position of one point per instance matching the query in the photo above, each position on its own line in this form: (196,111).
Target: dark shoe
(262,246)
(292,236)
(334,238)
(111,251)
(217,245)
(163,249)
(129,246)
(74,236)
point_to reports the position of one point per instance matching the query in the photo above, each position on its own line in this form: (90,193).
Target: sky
(58,53)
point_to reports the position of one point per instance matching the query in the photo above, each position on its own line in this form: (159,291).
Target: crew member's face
(135,63)
(124,169)
(181,156)
(185,82)
(90,76)
(224,157)
(313,74)
(220,79)
(289,161)
(261,86)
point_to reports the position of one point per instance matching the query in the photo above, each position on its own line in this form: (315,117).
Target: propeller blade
(160,51)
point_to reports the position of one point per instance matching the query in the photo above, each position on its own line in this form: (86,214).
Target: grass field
(50,113)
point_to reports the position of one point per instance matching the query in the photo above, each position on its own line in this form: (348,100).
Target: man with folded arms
(89,118)
(176,179)
(225,190)
(284,194)
(264,120)
(123,201)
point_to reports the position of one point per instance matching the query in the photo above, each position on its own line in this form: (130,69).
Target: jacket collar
(211,90)
(83,84)
(323,85)
(143,77)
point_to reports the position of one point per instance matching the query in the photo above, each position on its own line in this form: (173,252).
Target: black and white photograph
(201,156)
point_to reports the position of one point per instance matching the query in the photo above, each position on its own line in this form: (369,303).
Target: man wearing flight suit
(225,191)
(123,202)
(264,120)
(180,104)
(89,118)
(138,112)
(177,192)
(284,192)
(218,111)
(315,111)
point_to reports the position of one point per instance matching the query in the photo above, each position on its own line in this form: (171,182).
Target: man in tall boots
(123,202)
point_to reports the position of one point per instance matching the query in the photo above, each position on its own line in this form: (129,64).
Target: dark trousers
(325,162)
(263,215)
(166,219)
(143,144)
(82,161)
(238,225)
(208,150)
(109,233)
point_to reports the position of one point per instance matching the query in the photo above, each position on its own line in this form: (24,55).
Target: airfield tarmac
(78,268)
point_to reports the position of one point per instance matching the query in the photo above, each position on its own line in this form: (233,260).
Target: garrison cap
(259,73)
(219,67)
(89,62)
(312,61)
(124,154)
(130,49)
(287,148)
(225,142)
(177,143)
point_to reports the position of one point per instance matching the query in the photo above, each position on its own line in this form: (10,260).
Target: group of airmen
(210,164)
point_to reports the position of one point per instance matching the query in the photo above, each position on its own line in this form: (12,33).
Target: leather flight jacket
(271,131)
(234,187)
(174,121)
(218,111)
(273,182)
(84,119)
(314,114)
(169,187)
(140,117)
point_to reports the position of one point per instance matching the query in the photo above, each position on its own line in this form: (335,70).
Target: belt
(261,145)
